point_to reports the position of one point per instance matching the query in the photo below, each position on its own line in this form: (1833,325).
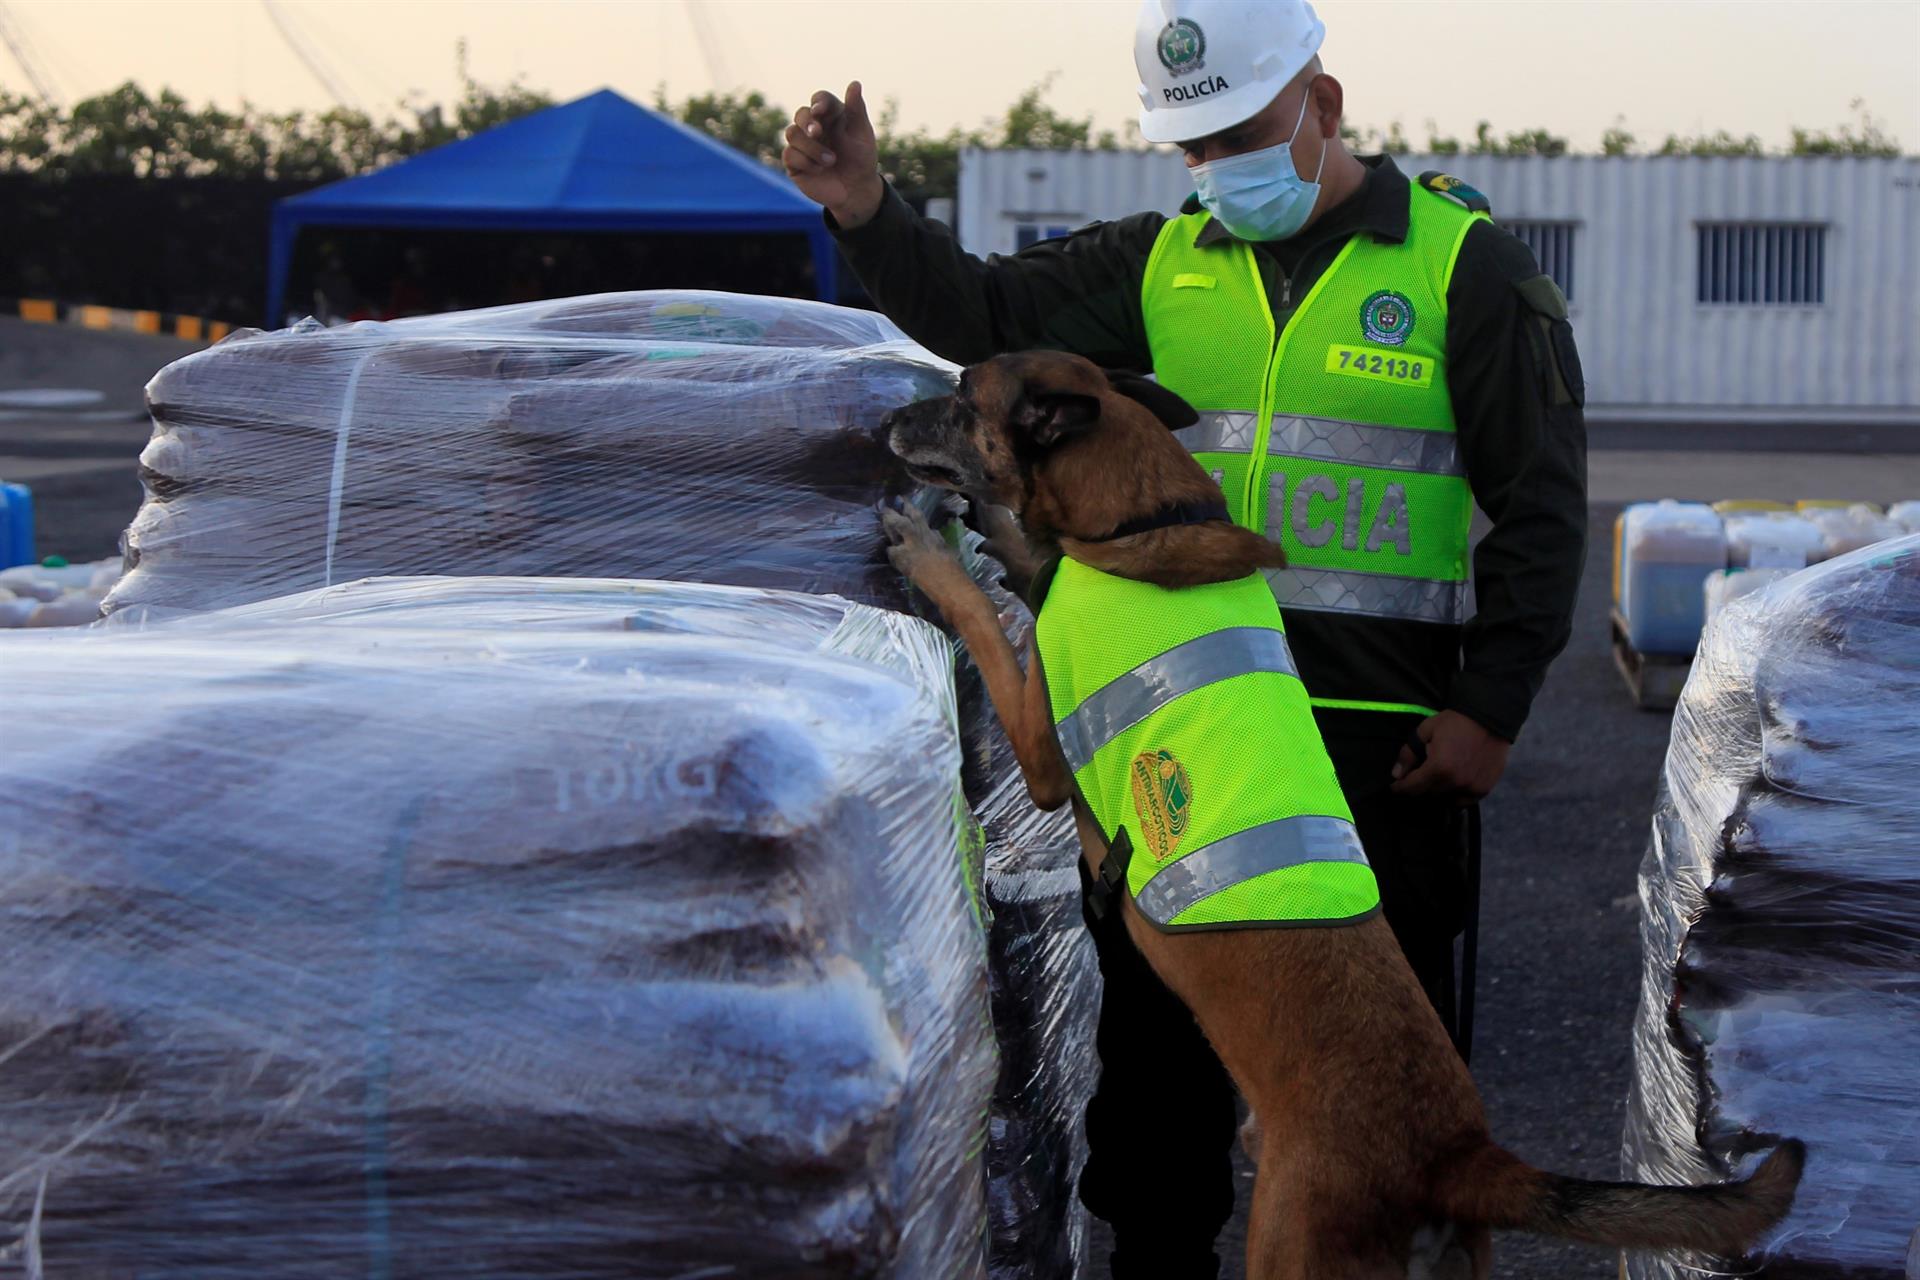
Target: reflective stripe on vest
(1131,698)
(1376,595)
(1387,448)
(1334,436)
(1190,736)
(1284,842)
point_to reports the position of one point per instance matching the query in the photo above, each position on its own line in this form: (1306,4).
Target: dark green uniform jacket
(1515,388)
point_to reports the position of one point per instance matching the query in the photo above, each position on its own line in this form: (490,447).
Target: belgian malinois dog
(1376,1161)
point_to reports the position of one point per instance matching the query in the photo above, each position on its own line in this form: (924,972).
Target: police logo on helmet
(1183,47)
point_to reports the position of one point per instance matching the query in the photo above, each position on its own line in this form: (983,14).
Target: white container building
(1703,289)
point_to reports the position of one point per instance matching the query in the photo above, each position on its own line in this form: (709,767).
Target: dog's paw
(911,541)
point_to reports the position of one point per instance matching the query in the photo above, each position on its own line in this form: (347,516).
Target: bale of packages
(1045,984)
(661,435)
(686,436)
(1781,923)
(491,927)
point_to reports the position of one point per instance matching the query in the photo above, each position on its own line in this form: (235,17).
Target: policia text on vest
(1342,451)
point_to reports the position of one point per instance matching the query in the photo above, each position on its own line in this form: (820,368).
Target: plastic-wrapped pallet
(1045,983)
(695,437)
(491,927)
(692,436)
(1781,918)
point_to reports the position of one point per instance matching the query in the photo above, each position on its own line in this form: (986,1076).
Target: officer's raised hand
(832,156)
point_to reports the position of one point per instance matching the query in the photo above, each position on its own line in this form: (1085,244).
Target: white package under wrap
(690,436)
(490,927)
(1781,918)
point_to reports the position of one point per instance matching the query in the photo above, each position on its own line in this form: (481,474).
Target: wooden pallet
(1654,679)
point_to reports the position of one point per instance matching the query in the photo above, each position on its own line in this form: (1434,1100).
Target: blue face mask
(1260,195)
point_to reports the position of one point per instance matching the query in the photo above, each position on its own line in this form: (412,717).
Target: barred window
(1032,233)
(1552,245)
(1763,262)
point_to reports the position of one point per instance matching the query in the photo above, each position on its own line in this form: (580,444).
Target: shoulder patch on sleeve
(1445,184)
(1544,296)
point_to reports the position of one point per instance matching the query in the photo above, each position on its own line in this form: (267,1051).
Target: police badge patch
(1183,47)
(1387,318)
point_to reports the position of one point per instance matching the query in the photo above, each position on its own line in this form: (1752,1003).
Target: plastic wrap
(491,927)
(1781,919)
(703,437)
(1724,588)
(687,436)
(1045,982)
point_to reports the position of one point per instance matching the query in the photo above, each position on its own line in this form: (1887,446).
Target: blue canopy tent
(597,164)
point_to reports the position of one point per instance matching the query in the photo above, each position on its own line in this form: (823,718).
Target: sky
(1575,67)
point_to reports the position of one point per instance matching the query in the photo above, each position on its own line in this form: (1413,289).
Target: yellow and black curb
(87,316)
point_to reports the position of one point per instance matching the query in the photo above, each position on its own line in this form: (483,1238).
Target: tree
(746,122)
(1718,143)
(128,132)
(1869,139)
(480,108)
(1031,123)
(27,133)
(1532,142)
(921,163)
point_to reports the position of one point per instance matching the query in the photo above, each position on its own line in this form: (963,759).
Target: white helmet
(1207,64)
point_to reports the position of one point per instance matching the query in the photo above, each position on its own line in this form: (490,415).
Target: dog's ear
(1048,417)
(1172,411)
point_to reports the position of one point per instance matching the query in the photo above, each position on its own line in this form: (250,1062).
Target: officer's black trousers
(1162,1123)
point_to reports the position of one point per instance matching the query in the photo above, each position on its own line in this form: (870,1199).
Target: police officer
(1372,357)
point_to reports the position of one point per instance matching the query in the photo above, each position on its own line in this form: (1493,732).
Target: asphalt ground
(1559,957)
(79,462)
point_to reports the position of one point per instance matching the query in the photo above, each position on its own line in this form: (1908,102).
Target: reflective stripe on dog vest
(1336,436)
(1130,698)
(1192,742)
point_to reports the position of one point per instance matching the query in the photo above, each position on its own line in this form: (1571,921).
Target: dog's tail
(1491,1187)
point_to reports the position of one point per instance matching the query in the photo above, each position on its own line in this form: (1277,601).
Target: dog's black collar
(1165,518)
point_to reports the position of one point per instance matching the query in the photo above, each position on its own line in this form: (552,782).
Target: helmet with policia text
(1207,64)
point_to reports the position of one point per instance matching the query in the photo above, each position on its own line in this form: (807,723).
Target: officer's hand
(1463,759)
(832,156)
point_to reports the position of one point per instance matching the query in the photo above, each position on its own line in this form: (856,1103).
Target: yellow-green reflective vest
(1336,436)
(1192,742)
